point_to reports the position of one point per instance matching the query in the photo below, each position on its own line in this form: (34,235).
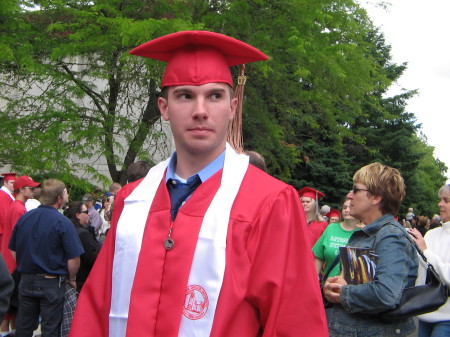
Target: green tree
(77,93)
(316,110)
(427,178)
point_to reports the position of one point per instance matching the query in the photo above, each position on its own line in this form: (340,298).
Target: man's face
(65,197)
(199,117)
(9,184)
(27,192)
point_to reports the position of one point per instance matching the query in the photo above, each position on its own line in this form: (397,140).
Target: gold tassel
(234,136)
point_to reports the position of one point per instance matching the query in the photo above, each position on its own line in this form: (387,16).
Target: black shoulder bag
(420,299)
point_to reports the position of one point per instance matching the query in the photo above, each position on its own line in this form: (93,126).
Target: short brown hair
(423,220)
(137,170)
(114,188)
(50,191)
(383,181)
(257,160)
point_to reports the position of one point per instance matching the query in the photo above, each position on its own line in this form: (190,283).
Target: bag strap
(330,268)
(429,265)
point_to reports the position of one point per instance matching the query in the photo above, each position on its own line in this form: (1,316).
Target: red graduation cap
(9,176)
(198,57)
(333,213)
(311,193)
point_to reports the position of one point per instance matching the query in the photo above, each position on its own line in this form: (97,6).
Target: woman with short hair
(376,196)
(77,212)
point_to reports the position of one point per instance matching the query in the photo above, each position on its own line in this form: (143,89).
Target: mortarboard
(311,193)
(333,213)
(197,57)
(9,176)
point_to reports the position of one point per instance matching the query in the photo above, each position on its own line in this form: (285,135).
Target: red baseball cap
(311,193)
(198,57)
(24,181)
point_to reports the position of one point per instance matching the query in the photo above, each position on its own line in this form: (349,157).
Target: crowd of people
(48,247)
(46,243)
(206,243)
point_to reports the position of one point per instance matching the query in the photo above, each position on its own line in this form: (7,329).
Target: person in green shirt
(335,235)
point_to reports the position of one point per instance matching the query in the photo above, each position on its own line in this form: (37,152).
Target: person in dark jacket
(422,225)
(77,212)
(6,287)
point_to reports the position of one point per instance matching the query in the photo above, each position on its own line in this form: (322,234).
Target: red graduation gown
(16,210)
(5,201)
(270,286)
(316,229)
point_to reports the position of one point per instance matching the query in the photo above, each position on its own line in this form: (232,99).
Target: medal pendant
(169,243)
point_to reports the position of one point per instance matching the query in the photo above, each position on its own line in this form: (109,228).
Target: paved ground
(38,331)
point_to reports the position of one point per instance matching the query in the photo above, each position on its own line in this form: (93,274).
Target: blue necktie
(179,192)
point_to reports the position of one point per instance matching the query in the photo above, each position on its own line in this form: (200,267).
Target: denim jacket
(396,269)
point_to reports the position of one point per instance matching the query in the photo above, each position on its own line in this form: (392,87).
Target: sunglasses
(85,212)
(31,188)
(356,189)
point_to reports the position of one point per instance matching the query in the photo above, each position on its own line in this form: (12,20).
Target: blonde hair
(50,191)
(383,181)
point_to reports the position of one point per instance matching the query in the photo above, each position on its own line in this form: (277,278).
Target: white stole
(208,265)
(129,234)
(4,189)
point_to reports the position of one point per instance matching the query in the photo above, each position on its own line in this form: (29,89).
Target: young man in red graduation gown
(23,190)
(234,259)
(6,198)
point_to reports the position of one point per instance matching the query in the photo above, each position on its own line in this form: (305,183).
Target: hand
(418,239)
(332,289)
(73,284)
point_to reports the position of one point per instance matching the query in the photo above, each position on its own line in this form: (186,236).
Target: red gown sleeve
(5,201)
(284,283)
(16,210)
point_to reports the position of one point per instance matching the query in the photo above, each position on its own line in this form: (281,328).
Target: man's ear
(233,106)
(163,108)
